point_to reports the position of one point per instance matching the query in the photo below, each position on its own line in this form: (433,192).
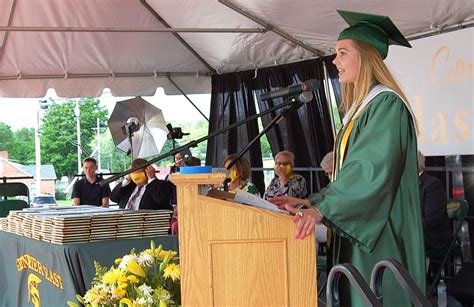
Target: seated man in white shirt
(142,190)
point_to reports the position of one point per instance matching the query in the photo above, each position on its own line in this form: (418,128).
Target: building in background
(9,169)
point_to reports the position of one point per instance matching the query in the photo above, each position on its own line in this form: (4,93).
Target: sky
(21,112)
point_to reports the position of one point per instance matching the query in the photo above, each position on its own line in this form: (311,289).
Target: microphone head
(311,85)
(306,96)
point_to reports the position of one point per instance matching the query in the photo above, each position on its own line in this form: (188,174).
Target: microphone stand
(294,104)
(195,142)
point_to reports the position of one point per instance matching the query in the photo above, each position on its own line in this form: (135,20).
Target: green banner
(37,273)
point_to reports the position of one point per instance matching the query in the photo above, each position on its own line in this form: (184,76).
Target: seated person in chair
(239,175)
(436,225)
(87,191)
(437,228)
(286,182)
(142,190)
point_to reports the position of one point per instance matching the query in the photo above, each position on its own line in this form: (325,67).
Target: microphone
(309,85)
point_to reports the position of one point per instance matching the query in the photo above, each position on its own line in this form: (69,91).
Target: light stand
(128,129)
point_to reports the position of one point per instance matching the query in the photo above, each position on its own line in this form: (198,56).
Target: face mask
(233,174)
(139,178)
(285,168)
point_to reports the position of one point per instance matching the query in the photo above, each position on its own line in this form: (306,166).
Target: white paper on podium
(256,201)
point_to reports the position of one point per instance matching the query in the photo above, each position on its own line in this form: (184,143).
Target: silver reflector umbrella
(141,122)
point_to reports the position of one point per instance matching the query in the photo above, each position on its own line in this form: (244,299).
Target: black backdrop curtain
(307,132)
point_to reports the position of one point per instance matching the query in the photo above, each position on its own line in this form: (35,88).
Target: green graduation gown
(373,205)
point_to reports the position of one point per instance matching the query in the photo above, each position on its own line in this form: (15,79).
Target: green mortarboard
(376,30)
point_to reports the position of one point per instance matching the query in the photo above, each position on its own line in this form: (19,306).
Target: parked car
(43,200)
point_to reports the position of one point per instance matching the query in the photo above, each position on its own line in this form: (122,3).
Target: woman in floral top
(239,176)
(286,182)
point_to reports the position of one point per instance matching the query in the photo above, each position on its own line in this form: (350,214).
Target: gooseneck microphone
(307,86)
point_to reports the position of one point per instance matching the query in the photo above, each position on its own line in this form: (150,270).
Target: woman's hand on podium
(283,202)
(305,218)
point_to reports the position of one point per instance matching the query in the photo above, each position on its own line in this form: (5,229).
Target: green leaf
(72,304)
(80,299)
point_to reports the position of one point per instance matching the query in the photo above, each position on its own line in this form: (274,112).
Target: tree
(6,136)
(112,158)
(23,150)
(58,133)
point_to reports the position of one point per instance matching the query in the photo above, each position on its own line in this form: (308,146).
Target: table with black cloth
(51,274)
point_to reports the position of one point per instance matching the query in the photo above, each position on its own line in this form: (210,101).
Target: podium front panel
(237,255)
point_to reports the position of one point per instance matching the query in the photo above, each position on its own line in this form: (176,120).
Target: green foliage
(265,145)
(23,151)
(112,158)
(20,144)
(99,273)
(58,133)
(60,195)
(6,136)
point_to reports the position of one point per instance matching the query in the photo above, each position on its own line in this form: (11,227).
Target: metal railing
(357,282)
(401,276)
(373,295)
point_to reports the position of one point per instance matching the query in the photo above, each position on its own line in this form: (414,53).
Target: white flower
(145,259)
(104,287)
(146,290)
(125,260)
(145,301)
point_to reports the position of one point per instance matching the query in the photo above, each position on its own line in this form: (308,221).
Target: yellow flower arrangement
(147,278)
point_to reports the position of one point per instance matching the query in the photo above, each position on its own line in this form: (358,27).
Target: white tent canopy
(132,47)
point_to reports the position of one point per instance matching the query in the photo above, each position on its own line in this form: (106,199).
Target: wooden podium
(236,255)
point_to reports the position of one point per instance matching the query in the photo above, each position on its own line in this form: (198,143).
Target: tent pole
(328,98)
(178,37)
(186,96)
(9,15)
(103,75)
(272,28)
(130,30)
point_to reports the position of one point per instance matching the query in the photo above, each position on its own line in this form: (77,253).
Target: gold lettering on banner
(29,262)
(434,63)
(461,120)
(458,71)
(33,291)
(419,112)
(440,134)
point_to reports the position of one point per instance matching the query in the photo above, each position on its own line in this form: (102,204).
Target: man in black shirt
(87,191)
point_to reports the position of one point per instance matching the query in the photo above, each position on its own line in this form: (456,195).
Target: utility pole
(98,145)
(38,152)
(77,112)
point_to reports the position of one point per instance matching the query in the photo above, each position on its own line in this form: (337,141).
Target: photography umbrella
(138,127)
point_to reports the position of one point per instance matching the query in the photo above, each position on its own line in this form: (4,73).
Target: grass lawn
(65,202)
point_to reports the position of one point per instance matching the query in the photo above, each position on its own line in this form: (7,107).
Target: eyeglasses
(282,162)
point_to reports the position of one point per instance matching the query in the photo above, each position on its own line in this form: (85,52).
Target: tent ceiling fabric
(82,64)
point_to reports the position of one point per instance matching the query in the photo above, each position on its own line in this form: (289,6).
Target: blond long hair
(371,67)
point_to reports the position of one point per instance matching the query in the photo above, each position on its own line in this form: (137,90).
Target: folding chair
(10,190)
(457,211)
